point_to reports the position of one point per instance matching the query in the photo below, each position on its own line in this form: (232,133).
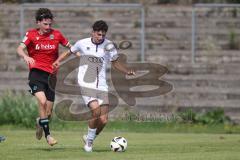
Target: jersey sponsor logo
(37,47)
(96,59)
(44,47)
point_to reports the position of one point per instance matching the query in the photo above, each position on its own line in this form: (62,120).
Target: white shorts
(95,94)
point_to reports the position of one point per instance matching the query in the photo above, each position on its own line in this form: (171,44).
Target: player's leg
(101,122)
(103,119)
(38,82)
(95,110)
(44,121)
(50,95)
(37,90)
(49,109)
(104,109)
(49,106)
(42,102)
(92,125)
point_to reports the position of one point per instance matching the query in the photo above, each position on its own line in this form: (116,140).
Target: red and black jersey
(44,48)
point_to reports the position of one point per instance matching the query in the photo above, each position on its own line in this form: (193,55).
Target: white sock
(91,133)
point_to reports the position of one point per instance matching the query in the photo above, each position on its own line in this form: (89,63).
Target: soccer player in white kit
(93,75)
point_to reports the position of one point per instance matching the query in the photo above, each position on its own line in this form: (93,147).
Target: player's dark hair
(43,13)
(100,26)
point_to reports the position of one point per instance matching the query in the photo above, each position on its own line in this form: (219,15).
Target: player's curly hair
(43,13)
(100,26)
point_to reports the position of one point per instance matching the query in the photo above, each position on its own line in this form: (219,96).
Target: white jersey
(93,62)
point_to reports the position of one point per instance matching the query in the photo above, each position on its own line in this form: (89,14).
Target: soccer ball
(118,144)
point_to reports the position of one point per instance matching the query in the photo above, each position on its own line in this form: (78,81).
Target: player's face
(98,36)
(45,25)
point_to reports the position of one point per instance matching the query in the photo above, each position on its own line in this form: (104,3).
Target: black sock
(44,123)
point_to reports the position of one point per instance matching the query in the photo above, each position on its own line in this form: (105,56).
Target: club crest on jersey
(51,36)
(37,38)
(88,48)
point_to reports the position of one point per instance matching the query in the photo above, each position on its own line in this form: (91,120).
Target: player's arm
(72,50)
(63,56)
(68,45)
(21,52)
(122,68)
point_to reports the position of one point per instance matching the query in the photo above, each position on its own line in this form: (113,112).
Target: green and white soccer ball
(118,144)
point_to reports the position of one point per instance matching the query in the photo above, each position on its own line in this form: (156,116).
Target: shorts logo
(96,59)
(88,48)
(34,88)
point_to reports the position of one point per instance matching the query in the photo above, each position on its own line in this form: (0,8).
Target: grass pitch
(22,145)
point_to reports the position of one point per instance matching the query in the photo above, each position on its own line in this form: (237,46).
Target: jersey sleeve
(63,41)
(76,47)
(26,39)
(113,54)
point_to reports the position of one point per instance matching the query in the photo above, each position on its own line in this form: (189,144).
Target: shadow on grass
(101,150)
(52,149)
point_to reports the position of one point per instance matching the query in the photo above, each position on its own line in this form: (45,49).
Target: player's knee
(42,102)
(104,119)
(96,113)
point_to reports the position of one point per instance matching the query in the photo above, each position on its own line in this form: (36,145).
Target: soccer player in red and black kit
(42,46)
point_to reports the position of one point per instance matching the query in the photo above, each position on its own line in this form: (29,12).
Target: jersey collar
(97,43)
(38,31)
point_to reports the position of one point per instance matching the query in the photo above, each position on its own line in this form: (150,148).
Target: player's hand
(29,60)
(131,72)
(78,54)
(56,64)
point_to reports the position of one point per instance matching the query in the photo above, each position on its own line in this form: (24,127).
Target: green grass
(150,127)
(146,141)
(145,127)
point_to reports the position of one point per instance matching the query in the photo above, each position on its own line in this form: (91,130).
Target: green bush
(21,109)
(187,116)
(18,109)
(211,117)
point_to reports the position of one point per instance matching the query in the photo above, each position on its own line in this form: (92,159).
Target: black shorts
(40,81)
